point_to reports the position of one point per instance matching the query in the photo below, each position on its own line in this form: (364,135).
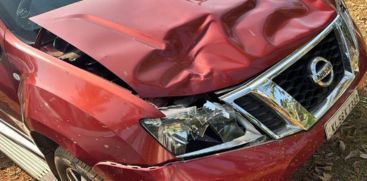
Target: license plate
(339,117)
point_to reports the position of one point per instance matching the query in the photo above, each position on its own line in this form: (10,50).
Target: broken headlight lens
(193,131)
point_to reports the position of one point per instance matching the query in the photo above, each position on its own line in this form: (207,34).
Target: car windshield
(16,14)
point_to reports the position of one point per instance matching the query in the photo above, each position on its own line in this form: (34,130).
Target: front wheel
(70,168)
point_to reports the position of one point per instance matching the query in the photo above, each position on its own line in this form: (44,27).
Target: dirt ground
(343,158)
(10,172)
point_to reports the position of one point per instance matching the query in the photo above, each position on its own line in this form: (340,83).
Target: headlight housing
(194,131)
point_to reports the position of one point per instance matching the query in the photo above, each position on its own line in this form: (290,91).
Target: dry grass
(10,172)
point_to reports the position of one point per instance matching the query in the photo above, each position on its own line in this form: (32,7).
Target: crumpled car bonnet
(165,48)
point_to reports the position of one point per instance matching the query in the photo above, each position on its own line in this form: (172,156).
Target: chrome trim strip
(24,153)
(296,116)
(335,95)
(11,133)
(253,120)
(287,107)
(284,64)
(346,29)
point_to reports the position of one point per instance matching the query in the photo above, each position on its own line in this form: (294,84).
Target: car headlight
(349,34)
(194,131)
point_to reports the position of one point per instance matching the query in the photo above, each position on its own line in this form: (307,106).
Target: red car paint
(174,48)
(169,48)
(276,160)
(92,118)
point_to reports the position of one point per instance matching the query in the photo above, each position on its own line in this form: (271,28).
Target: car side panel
(92,118)
(9,104)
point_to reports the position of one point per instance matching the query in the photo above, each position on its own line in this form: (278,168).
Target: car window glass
(16,14)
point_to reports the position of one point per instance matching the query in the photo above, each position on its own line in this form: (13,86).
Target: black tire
(68,166)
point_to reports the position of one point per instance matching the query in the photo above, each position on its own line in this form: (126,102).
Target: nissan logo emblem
(322,72)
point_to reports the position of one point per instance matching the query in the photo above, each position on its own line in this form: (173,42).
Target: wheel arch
(48,147)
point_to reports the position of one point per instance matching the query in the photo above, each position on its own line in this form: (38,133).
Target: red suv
(174,89)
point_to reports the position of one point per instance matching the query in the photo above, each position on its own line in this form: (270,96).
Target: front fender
(92,118)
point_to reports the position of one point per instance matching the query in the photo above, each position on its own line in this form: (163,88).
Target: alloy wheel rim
(73,175)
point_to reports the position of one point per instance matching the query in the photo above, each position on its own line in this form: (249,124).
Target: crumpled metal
(166,48)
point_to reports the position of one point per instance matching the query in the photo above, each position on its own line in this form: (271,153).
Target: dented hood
(184,47)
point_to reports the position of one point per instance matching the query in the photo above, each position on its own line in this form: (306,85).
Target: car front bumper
(275,160)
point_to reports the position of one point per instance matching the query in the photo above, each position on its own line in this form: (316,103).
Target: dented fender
(92,118)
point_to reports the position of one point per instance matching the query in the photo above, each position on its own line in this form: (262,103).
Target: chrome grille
(261,111)
(292,103)
(298,84)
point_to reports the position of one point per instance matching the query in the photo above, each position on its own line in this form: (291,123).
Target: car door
(9,103)
(14,64)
